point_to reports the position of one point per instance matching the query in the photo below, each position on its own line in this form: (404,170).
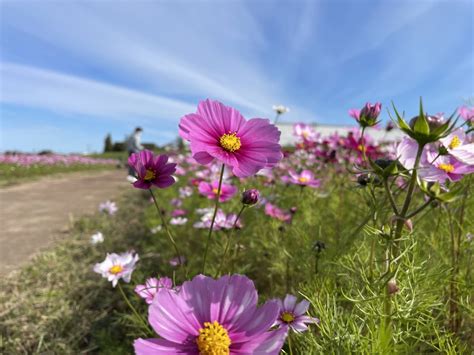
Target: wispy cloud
(24,85)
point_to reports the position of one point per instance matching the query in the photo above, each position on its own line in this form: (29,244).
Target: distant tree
(180,144)
(150,146)
(118,147)
(108,146)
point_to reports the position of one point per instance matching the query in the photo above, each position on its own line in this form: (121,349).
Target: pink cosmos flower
(151,287)
(305,131)
(305,178)
(210,190)
(293,314)
(459,147)
(117,266)
(176,261)
(175,202)
(467,113)
(179,213)
(433,167)
(443,168)
(354,113)
(222,221)
(152,170)
(210,316)
(275,212)
(220,132)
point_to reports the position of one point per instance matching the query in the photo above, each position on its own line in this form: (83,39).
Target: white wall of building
(287,137)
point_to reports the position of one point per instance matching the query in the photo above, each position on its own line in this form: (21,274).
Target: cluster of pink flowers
(26,160)
(447,160)
(207,315)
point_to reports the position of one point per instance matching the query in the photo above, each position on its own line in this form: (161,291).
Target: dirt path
(33,214)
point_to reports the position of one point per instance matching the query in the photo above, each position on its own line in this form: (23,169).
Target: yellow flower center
(150,175)
(213,339)
(361,148)
(455,142)
(116,269)
(287,317)
(230,142)
(215,191)
(303,180)
(449,168)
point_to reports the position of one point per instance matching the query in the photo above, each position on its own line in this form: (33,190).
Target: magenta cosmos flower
(151,287)
(293,314)
(152,170)
(220,132)
(210,190)
(305,178)
(210,316)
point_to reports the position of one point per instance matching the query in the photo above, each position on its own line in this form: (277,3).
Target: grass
(58,305)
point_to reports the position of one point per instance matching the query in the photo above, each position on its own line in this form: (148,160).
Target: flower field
(336,245)
(20,167)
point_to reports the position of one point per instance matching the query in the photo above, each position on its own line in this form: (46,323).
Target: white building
(288,138)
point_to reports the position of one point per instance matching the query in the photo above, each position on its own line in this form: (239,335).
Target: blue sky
(73,71)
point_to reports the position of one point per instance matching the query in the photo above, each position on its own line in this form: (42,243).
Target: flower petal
(162,346)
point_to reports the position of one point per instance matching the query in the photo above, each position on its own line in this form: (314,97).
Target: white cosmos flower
(97,238)
(156,229)
(117,266)
(178,221)
(280,109)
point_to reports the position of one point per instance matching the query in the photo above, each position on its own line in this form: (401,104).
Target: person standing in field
(134,146)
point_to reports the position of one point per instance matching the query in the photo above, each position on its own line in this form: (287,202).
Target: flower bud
(433,121)
(383,163)
(319,246)
(366,179)
(369,114)
(392,287)
(250,197)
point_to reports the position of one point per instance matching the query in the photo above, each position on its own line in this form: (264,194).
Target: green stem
(392,247)
(289,344)
(170,236)
(455,316)
(390,196)
(371,258)
(275,121)
(213,220)
(229,239)
(419,209)
(139,317)
(362,144)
